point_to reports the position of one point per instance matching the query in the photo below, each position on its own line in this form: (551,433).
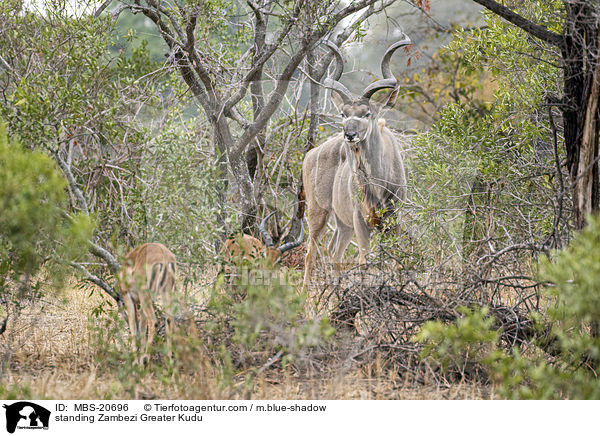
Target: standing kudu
(147,275)
(355,171)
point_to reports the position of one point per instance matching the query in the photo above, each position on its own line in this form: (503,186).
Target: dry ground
(51,352)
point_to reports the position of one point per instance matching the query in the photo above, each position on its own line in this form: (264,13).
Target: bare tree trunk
(574,84)
(256,148)
(311,138)
(255,152)
(586,190)
(236,165)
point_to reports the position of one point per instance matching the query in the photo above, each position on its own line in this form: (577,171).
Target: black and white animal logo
(27,415)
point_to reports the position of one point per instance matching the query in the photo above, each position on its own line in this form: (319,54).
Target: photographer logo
(26,415)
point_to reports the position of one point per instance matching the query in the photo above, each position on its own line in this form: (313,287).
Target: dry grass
(51,351)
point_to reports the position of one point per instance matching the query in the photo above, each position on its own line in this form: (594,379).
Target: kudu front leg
(363,234)
(343,234)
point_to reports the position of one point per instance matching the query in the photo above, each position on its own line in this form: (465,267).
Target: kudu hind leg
(317,220)
(332,242)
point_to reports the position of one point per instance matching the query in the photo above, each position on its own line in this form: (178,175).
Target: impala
(147,275)
(250,248)
(352,173)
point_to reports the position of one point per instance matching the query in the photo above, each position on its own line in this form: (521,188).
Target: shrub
(38,240)
(36,233)
(564,360)
(261,315)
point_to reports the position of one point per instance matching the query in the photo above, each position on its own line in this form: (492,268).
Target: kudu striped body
(147,276)
(353,172)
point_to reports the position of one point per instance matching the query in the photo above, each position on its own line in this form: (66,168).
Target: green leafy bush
(180,199)
(455,345)
(37,237)
(262,315)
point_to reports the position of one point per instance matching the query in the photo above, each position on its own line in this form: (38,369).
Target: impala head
(249,248)
(271,252)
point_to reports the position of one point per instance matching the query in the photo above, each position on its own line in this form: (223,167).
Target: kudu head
(271,252)
(360,116)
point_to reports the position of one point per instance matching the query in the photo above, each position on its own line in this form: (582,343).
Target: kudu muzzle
(351,130)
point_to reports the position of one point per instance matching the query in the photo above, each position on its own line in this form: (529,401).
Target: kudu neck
(370,149)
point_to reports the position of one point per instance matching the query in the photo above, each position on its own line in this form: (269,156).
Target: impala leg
(170,331)
(132,318)
(170,322)
(149,321)
(363,234)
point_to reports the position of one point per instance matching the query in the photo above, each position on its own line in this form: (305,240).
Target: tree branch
(98,282)
(530,27)
(284,78)
(105,255)
(81,201)
(102,7)
(262,53)
(195,60)
(95,249)
(184,55)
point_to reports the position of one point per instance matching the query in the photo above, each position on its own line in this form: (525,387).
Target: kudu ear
(383,100)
